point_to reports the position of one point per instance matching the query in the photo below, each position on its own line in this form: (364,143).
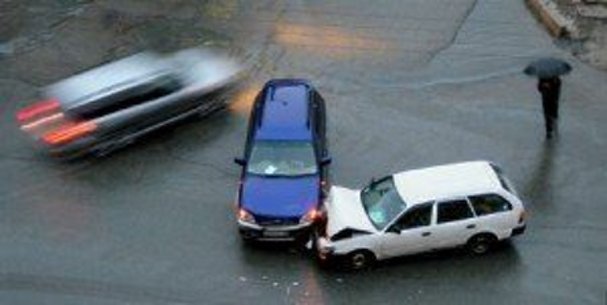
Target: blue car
(285,163)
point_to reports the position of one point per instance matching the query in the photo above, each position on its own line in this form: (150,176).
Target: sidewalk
(580,26)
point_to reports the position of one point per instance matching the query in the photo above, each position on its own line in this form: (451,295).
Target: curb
(557,24)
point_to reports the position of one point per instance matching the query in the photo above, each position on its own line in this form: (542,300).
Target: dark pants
(551,114)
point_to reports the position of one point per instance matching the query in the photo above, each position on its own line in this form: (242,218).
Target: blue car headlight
(245,216)
(311,216)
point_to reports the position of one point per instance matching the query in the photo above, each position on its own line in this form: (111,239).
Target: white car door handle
(472,226)
(426,234)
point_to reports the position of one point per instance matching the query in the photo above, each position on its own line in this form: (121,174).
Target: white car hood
(345,210)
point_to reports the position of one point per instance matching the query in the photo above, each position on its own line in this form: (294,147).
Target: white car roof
(445,181)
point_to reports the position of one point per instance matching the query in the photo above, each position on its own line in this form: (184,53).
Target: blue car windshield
(282,158)
(382,202)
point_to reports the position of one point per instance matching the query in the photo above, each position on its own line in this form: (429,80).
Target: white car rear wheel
(481,243)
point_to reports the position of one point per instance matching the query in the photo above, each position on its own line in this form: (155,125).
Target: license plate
(275,233)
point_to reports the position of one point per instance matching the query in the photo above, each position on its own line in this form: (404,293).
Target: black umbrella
(547,67)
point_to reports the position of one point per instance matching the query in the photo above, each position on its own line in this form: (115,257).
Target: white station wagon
(464,204)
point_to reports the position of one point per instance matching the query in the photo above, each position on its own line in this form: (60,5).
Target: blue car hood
(280,196)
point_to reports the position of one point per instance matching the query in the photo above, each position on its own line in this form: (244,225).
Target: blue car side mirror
(325,161)
(240,161)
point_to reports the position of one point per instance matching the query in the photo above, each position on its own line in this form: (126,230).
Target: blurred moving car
(285,163)
(464,204)
(108,107)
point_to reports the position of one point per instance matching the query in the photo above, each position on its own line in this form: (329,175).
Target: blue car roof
(285,111)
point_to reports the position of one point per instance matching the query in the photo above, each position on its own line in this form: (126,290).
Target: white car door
(410,233)
(455,223)
(494,213)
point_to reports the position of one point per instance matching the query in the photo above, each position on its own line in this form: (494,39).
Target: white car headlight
(324,248)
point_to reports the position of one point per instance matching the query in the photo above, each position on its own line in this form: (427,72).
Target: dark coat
(550,88)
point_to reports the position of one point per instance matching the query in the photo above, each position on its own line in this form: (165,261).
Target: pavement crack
(170,153)
(458,29)
(30,42)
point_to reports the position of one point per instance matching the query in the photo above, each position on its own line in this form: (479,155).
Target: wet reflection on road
(408,83)
(242,101)
(539,187)
(335,42)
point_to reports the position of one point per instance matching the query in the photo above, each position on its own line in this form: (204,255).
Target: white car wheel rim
(359,260)
(480,248)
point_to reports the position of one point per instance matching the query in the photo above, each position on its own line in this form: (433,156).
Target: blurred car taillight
(36,110)
(69,132)
(45,121)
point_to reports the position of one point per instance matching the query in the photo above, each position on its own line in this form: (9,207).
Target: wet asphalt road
(408,84)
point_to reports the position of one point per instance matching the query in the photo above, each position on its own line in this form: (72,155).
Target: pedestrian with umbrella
(548,71)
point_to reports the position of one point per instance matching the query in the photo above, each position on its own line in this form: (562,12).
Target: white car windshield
(382,202)
(282,158)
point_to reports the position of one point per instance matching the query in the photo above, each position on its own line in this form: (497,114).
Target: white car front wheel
(360,259)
